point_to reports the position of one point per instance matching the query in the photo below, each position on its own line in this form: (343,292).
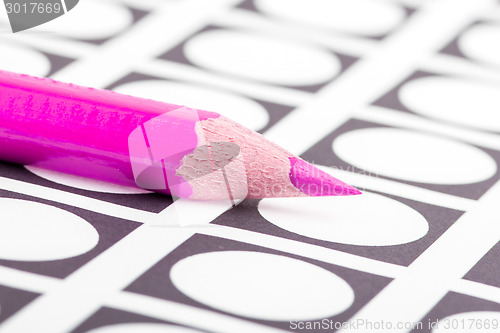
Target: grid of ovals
(76,236)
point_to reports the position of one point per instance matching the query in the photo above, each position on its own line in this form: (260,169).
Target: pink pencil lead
(314,182)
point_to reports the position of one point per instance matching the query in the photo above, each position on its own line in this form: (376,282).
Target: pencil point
(314,182)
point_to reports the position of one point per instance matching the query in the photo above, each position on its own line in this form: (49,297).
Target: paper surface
(399,98)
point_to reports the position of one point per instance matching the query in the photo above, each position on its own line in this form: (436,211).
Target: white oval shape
(364,17)
(466,322)
(143,328)
(263,58)
(262,286)
(242,110)
(90,19)
(463,102)
(21,59)
(31,231)
(413,156)
(83,182)
(381,222)
(481,43)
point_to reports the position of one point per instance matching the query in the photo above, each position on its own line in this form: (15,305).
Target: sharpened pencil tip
(354,191)
(314,182)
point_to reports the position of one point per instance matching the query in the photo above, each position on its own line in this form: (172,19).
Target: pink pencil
(138,142)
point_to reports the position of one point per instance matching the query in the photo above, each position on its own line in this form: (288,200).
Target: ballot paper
(400,98)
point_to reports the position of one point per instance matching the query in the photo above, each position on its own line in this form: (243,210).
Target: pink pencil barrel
(72,129)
